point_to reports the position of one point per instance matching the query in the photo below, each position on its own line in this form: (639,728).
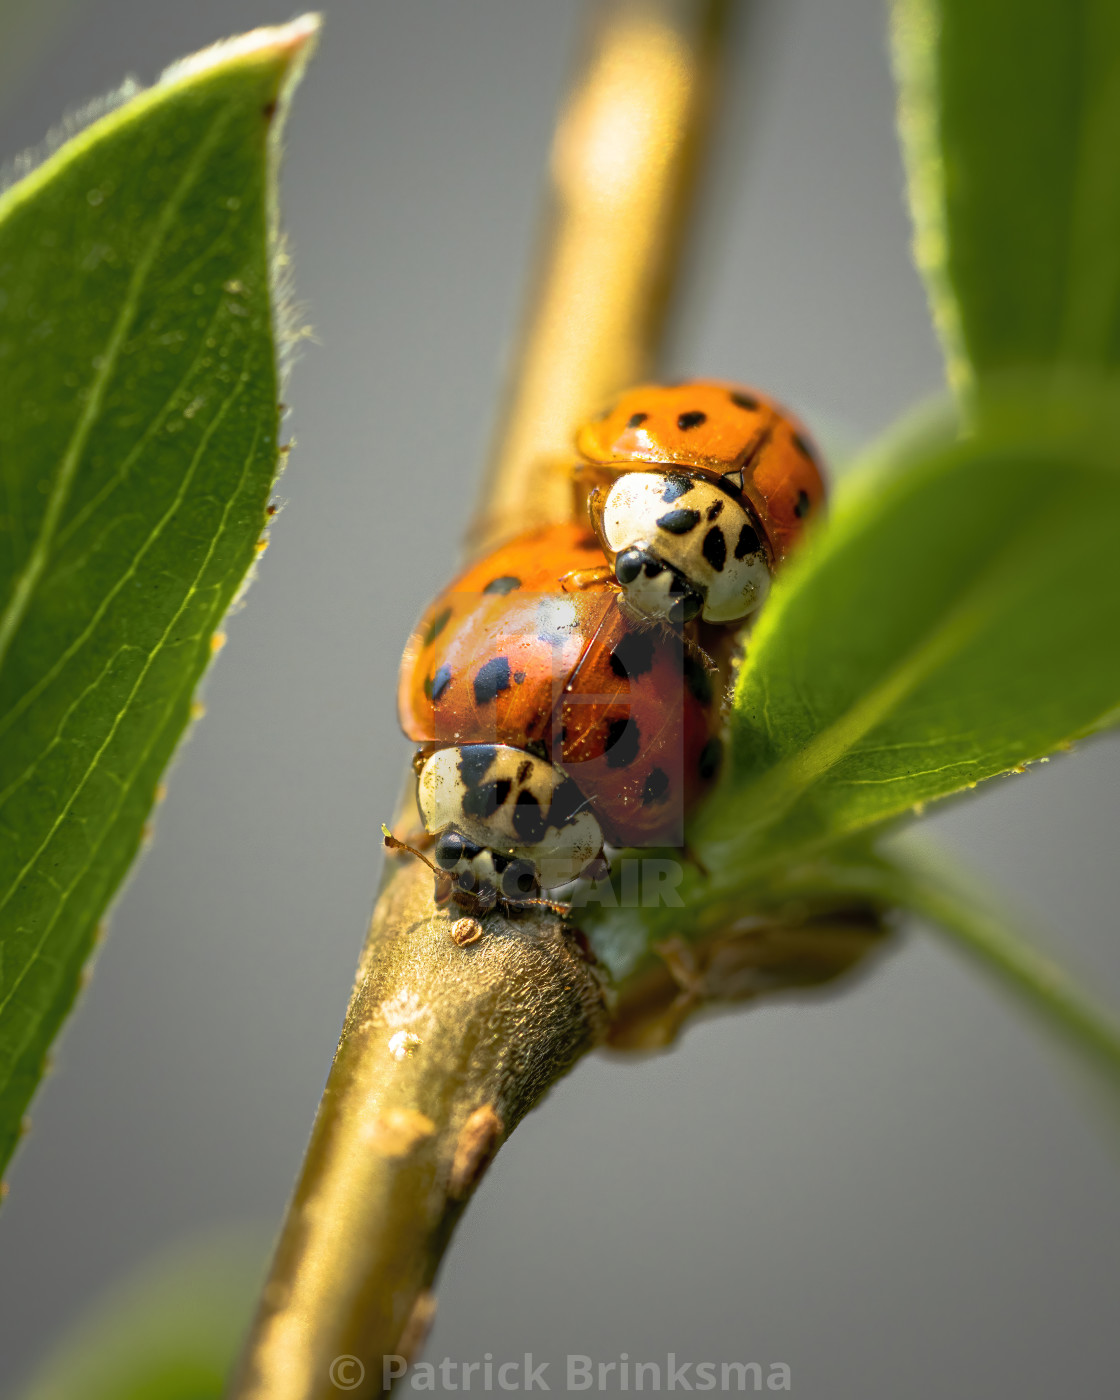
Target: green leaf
(138,444)
(170,1332)
(1010,122)
(956,619)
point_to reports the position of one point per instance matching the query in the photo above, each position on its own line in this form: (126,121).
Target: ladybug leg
(578,579)
(671,631)
(698,654)
(477,902)
(562,909)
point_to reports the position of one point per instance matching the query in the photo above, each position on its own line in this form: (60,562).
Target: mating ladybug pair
(565,691)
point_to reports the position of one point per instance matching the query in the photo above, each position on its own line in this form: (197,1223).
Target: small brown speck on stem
(464,931)
(418,1326)
(479,1139)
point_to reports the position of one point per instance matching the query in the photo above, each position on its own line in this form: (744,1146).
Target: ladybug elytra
(562,689)
(551,720)
(696,493)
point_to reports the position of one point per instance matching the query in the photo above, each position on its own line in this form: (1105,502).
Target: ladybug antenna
(392,844)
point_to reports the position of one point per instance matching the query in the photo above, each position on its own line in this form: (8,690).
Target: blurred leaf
(170,1332)
(1010,121)
(955,619)
(138,444)
(809,921)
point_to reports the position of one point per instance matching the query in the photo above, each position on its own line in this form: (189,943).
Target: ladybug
(551,719)
(696,493)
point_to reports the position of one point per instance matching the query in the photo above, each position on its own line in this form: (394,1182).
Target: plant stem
(446,1046)
(628,142)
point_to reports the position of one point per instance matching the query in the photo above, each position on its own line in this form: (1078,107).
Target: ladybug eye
(449,850)
(628,566)
(519,880)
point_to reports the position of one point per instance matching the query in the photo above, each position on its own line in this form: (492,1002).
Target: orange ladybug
(550,719)
(696,493)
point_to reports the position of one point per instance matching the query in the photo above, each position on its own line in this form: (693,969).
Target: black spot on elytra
(715,510)
(566,802)
(715,548)
(475,761)
(697,679)
(436,626)
(692,419)
(506,584)
(624,739)
(523,772)
(633,655)
(491,678)
(518,677)
(679,521)
(435,685)
(747,401)
(801,509)
(482,802)
(749,543)
(803,447)
(528,819)
(636,420)
(676,485)
(656,787)
(711,755)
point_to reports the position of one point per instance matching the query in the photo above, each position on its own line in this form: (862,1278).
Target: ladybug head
(714,432)
(682,544)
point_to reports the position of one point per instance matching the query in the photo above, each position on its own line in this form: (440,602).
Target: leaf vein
(33,570)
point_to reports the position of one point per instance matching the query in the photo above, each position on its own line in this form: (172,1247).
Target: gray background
(898,1192)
